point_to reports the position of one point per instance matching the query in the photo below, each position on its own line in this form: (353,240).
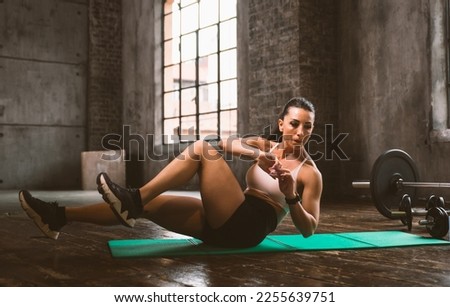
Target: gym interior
(82,78)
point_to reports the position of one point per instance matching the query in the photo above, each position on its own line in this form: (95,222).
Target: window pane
(189,18)
(171,105)
(170,6)
(188,76)
(228,94)
(171,131)
(227,9)
(188,47)
(228,34)
(186,2)
(228,64)
(209,12)
(228,126)
(188,106)
(171,52)
(208,126)
(176,23)
(168,27)
(208,98)
(207,41)
(172,24)
(188,128)
(207,69)
(171,78)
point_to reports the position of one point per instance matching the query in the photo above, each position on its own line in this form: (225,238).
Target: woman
(283,179)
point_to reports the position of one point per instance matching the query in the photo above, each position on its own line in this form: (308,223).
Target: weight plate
(438,218)
(391,166)
(405,206)
(433,201)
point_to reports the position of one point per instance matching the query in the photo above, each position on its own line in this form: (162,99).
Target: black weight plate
(394,164)
(435,201)
(439,218)
(405,206)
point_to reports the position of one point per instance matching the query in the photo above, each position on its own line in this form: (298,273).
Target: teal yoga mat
(272,244)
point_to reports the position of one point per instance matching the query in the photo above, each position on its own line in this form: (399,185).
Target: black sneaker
(47,216)
(125,203)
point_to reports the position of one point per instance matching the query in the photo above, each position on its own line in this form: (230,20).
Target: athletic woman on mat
(283,179)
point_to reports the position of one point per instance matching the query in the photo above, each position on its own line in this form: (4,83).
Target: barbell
(393,182)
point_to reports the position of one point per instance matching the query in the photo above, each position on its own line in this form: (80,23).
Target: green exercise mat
(272,244)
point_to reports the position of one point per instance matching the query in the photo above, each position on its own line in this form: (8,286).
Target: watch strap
(293,201)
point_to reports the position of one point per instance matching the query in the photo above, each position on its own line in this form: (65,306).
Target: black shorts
(252,221)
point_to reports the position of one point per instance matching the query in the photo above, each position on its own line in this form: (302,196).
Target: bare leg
(181,214)
(186,214)
(220,191)
(100,214)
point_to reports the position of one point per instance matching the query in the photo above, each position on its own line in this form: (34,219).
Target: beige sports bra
(261,182)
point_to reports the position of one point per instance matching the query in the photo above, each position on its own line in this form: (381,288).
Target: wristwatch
(293,201)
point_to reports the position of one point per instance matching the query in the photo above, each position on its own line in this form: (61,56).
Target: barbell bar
(400,183)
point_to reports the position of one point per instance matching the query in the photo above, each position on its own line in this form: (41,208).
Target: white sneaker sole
(116,204)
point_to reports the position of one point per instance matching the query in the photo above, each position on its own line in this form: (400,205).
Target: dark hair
(295,102)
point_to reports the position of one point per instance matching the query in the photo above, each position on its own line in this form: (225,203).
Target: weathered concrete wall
(140,89)
(60,88)
(43,55)
(385,92)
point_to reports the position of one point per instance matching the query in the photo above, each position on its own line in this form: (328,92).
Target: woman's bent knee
(203,150)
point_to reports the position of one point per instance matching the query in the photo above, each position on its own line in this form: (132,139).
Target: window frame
(220,108)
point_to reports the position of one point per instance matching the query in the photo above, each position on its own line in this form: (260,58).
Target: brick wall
(318,82)
(105,74)
(292,51)
(317,56)
(273,59)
